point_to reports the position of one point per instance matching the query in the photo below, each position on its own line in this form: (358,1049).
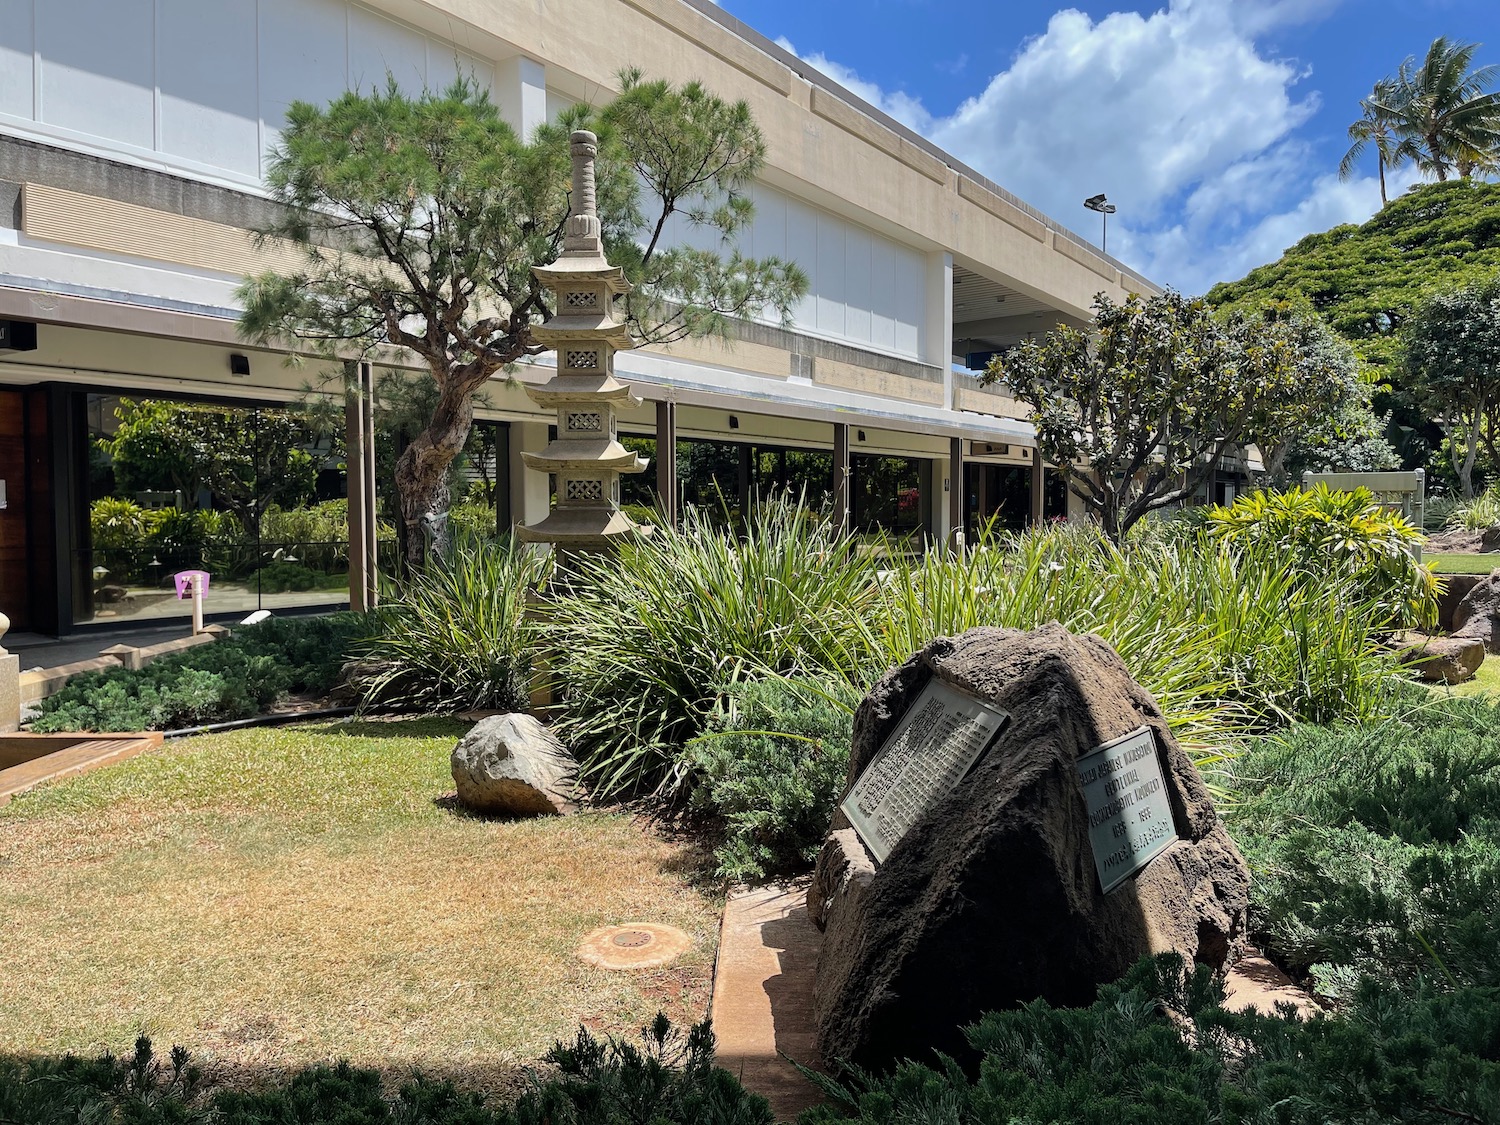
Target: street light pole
(1105,209)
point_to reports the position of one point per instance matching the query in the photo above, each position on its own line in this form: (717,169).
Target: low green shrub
(770,769)
(669,1079)
(457,636)
(281,577)
(1477,514)
(1158,1048)
(220,682)
(1319,529)
(1375,850)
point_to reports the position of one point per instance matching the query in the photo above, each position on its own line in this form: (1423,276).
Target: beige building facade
(133,140)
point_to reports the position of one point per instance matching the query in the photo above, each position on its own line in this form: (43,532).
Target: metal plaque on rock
(1130,815)
(941,735)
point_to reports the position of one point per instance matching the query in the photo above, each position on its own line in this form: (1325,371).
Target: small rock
(1489,540)
(1442,660)
(1478,614)
(110,594)
(513,765)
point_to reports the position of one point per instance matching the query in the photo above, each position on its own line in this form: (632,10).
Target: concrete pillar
(937,331)
(956,491)
(521,91)
(841,497)
(10,684)
(667,489)
(530,493)
(1038,487)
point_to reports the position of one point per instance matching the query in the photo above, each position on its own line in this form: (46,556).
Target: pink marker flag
(184,581)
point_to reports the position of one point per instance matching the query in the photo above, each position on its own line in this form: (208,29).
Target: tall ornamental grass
(1226,639)
(459,635)
(647,641)
(1229,638)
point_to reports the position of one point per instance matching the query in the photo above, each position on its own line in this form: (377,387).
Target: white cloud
(1192,258)
(902,106)
(1139,107)
(1179,116)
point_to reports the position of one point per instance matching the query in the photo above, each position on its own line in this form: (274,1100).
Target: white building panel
(304,55)
(379,47)
(884,311)
(201,84)
(97,68)
(858,321)
(208,111)
(802,248)
(17,43)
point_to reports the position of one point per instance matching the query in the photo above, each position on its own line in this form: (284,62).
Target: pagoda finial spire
(584,234)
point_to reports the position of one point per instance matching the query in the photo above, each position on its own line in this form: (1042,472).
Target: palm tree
(1377,126)
(1445,110)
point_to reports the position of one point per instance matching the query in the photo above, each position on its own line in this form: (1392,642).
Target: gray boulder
(1445,660)
(514,766)
(1489,540)
(1478,614)
(1455,588)
(992,898)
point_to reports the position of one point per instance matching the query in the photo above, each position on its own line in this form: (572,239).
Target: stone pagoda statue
(586,456)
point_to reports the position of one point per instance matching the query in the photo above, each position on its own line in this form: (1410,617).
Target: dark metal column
(359,461)
(841,496)
(955,488)
(667,489)
(1038,487)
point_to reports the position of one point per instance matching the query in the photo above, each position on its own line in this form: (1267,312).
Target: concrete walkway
(763,996)
(37,651)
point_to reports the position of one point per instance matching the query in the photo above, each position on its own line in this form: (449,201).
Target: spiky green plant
(646,642)
(457,637)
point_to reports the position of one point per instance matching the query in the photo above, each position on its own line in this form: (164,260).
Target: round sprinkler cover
(634,945)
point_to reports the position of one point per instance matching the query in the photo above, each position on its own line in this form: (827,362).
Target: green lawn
(1462,564)
(269,898)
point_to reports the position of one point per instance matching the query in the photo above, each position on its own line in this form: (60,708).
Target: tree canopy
(1139,410)
(1443,111)
(421,218)
(1451,349)
(247,460)
(1366,281)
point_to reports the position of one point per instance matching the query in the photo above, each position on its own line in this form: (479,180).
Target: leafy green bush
(1477,514)
(1321,528)
(1158,1048)
(219,682)
(669,1080)
(771,766)
(457,636)
(645,643)
(1375,850)
(318,535)
(280,577)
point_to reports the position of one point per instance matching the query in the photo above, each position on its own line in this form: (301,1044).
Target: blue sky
(1216,126)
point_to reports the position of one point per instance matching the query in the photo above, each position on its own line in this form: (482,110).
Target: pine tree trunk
(422,476)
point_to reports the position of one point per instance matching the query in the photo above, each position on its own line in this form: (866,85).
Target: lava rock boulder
(992,898)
